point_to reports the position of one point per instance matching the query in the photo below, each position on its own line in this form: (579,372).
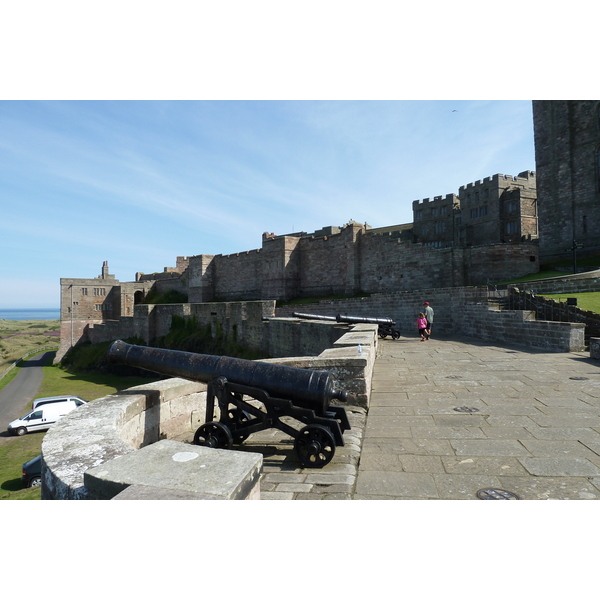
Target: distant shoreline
(29,314)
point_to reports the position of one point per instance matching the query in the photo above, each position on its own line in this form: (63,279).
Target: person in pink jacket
(422,326)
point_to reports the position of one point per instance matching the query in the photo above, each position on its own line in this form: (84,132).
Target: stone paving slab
(535,432)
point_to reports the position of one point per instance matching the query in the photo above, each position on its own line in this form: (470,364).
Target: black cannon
(311,317)
(302,394)
(386,326)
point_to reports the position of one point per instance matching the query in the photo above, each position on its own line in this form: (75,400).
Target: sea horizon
(30,314)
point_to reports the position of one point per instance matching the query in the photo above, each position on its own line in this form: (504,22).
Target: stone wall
(458,311)
(351,262)
(567,146)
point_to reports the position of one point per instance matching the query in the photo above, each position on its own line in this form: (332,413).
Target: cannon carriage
(253,396)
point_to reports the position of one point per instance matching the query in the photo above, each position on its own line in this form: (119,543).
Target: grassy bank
(14,451)
(585,300)
(17,338)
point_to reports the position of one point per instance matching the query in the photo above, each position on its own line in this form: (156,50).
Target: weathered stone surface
(176,466)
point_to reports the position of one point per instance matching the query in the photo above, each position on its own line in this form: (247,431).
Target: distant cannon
(303,394)
(310,317)
(386,326)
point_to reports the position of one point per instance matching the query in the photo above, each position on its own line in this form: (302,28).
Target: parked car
(43,417)
(31,475)
(53,399)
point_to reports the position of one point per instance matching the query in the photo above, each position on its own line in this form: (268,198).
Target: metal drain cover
(466,409)
(579,378)
(496,494)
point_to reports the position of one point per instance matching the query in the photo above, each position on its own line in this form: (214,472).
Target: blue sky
(138,183)
(136,133)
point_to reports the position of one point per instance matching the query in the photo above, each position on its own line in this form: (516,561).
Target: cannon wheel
(213,435)
(396,335)
(315,446)
(382,335)
(239,417)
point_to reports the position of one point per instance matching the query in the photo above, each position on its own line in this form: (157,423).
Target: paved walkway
(449,418)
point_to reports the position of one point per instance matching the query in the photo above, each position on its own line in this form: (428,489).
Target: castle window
(84,291)
(434,212)
(511,206)
(482,211)
(486,193)
(439,227)
(512,227)
(418,215)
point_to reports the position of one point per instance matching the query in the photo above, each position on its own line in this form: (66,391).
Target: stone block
(178,468)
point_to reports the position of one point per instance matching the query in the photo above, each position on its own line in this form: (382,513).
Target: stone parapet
(116,446)
(114,426)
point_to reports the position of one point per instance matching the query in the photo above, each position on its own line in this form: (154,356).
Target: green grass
(315,299)
(88,385)
(9,377)
(14,451)
(535,277)
(585,300)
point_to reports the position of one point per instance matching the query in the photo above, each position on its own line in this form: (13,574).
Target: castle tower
(567,156)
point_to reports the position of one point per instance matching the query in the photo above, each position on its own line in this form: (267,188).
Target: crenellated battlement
(437,200)
(501,181)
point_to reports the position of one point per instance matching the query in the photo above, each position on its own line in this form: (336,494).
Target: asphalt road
(16,397)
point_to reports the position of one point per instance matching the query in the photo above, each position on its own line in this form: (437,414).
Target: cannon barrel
(374,320)
(304,387)
(300,315)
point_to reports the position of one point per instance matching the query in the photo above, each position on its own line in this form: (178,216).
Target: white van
(42,417)
(53,399)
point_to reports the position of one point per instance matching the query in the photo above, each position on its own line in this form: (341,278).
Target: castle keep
(567,156)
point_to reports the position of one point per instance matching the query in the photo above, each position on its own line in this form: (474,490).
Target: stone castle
(493,229)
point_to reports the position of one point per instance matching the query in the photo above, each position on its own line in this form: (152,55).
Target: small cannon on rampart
(304,395)
(310,317)
(386,326)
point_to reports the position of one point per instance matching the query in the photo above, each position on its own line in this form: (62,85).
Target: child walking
(422,326)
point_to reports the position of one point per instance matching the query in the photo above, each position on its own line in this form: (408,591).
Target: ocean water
(28,314)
